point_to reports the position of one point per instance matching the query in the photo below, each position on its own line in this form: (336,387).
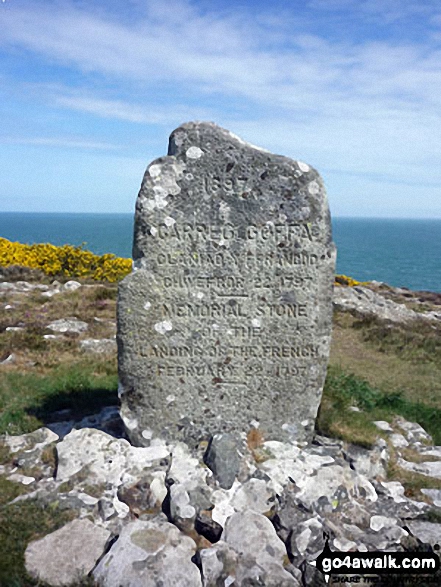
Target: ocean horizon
(403,252)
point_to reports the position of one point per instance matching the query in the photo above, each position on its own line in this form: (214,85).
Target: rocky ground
(235,512)
(258,514)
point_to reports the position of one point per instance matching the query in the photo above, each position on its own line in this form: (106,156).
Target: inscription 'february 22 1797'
(225,321)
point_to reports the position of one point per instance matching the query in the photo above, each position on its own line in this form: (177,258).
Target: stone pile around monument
(158,516)
(225,322)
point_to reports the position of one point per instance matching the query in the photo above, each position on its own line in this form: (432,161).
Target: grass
(393,362)
(28,401)
(343,390)
(384,370)
(418,342)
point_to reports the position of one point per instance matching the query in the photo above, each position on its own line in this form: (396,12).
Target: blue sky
(90,91)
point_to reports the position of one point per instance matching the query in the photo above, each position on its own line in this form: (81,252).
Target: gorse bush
(64,261)
(345,280)
(70,261)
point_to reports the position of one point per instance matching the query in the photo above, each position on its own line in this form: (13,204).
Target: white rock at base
(68,554)
(427,532)
(37,439)
(259,553)
(107,459)
(149,553)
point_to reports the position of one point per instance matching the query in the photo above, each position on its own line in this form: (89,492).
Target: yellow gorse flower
(70,261)
(345,280)
(66,261)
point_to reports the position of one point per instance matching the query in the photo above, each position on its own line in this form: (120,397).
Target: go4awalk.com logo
(355,565)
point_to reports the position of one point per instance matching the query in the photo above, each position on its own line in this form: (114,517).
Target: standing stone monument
(225,322)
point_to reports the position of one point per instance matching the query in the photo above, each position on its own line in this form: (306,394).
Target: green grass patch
(9,490)
(27,401)
(343,390)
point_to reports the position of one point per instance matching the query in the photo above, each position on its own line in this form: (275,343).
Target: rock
(223,459)
(431,451)
(200,288)
(283,465)
(365,302)
(290,514)
(370,463)
(107,420)
(106,509)
(328,490)
(70,325)
(252,534)
(186,469)
(435,496)
(98,346)
(207,527)
(67,555)
(149,553)
(104,459)
(18,478)
(429,468)
(395,490)
(398,441)
(38,439)
(236,560)
(380,522)
(384,426)
(146,495)
(327,482)
(71,285)
(10,359)
(219,564)
(414,433)
(182,513)
(261,553)
(427,532)
(307,542)
(254,495)
(188,492)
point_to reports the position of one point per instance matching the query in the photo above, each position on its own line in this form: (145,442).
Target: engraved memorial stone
(225,322)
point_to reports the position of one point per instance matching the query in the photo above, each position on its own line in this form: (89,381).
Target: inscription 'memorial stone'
(225,321)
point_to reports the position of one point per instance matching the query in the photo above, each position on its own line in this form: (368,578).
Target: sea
(400,252)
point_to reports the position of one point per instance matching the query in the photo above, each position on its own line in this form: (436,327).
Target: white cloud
(211,53)
(63,142)
(128,111)
(351,105)
(381,11)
